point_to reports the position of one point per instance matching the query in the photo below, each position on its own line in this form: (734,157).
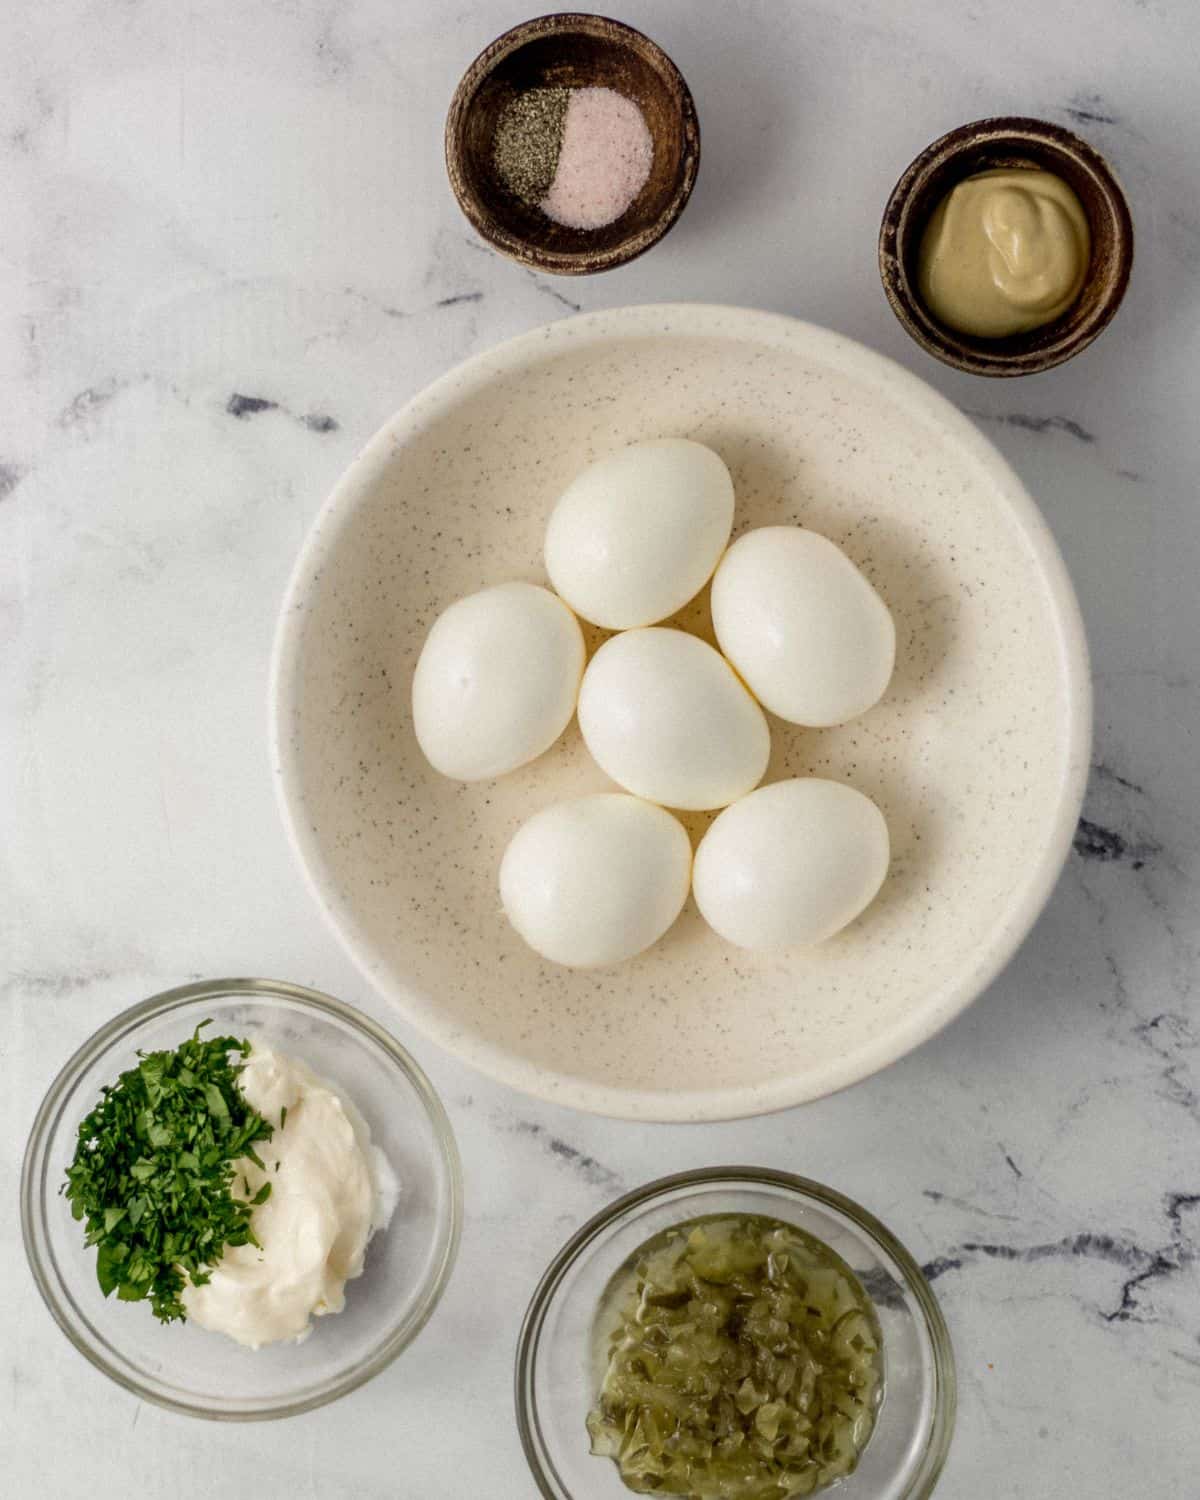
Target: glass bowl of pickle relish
(734,1333)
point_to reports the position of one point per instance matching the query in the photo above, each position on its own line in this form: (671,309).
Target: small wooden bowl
(574,51)
(1008,142)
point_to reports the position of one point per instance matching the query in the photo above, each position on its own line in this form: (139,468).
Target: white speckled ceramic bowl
(977,754)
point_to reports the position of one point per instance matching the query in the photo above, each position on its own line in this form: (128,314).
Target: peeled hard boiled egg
(793,862)
(812,639)
(638,533)
(596,880)
(496,681)
(665,716)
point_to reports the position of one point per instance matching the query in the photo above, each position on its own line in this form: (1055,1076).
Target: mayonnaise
(1004,252)
(328,1185)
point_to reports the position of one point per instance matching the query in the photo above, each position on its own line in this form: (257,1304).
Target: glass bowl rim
(941,1427)
(127,1022)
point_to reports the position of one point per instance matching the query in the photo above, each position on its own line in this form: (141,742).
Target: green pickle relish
(741,1360)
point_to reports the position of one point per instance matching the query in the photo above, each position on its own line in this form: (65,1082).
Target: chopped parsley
(154,1172)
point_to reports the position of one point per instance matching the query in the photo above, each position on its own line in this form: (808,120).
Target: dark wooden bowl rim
(1005,141)
(523,247)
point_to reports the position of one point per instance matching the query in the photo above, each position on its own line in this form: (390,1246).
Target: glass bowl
(556,1379)
(182,1366)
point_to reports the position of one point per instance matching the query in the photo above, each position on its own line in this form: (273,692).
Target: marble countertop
(227,253)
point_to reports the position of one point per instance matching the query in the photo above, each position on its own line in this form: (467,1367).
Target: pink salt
(603,161)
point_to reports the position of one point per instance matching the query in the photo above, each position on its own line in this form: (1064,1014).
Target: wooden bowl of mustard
(552,56)
(915,218)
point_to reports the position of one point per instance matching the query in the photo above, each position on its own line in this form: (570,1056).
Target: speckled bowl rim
(908,391)
(124,1027)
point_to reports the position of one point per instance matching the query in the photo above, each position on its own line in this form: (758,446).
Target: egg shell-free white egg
(793,862)
(596,880)
(665,716)
(638,533)
(497,681)
(813,640)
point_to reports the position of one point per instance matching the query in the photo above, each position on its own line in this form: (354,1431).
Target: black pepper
(528,137)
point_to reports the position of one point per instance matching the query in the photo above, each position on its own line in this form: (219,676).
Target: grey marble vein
(1090,109)
(591,1171)
(1094,841)
(248,406)
(1104,772)
(547,288)
(1039,425)
(241,407)
(88,402)
(1146,1264)
(11,475)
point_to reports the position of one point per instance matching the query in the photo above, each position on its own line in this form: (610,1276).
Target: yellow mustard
(1004,252)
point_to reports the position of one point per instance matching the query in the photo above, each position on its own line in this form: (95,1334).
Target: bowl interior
(558,1372)
(1017,145)
(573,52)
(205,1374)
(976,755)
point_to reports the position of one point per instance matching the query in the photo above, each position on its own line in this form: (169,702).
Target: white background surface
(208,199)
